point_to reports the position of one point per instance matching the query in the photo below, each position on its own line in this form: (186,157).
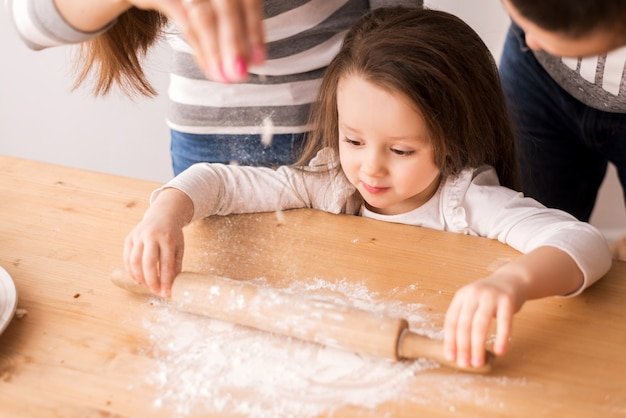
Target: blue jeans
(563,145)
(187,149)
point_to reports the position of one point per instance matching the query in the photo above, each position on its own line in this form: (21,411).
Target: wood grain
(80,350)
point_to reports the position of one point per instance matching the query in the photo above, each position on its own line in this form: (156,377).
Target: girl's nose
(373,163)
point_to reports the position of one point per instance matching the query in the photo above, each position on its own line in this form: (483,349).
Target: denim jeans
(563,145)
(187,149)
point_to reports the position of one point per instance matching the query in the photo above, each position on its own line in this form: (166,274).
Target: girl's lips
(374,190)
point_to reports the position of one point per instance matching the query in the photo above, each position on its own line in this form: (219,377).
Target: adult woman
(222,100)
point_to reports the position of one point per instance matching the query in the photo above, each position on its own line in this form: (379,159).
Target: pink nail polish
(240,68)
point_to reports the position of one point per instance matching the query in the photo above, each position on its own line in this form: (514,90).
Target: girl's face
(384,147)
(537,38)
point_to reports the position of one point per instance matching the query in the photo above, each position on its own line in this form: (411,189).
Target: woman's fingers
(202,37)
(232,39)
(255,31)
(226,36)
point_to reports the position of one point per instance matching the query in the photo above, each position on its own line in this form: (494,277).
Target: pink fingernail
(241,68)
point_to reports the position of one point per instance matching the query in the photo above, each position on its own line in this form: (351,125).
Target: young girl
(410,127)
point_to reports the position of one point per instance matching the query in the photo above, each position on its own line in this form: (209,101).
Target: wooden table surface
(85,348)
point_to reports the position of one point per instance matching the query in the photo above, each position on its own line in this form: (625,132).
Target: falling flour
(268,132)
(206,366)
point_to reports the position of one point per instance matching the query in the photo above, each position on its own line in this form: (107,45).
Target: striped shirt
(302,37)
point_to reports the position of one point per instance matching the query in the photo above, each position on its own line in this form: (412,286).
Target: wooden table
(82,348)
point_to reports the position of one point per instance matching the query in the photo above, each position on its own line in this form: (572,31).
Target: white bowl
(8,299)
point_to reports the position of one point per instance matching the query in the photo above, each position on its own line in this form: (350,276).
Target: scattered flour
(203,363)
(205,366)
(20,313)
(268,132)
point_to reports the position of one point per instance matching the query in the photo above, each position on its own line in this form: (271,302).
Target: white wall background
(42,119)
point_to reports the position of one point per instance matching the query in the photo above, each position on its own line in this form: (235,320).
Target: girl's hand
(226,35)
(545,271)
(469,318)
(153,251)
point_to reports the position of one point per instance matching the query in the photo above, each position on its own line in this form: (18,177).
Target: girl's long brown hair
(444,68)
(115,56)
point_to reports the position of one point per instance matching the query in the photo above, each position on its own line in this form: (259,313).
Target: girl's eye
(402,152)
(353,142)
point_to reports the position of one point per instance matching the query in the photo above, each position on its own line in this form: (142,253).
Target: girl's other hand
(469,316)
(153,250)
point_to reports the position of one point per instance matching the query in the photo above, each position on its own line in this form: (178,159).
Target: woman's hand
(153,251)
(226,35)
(469,316)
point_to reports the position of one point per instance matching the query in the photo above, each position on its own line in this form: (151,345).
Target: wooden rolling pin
(306,317)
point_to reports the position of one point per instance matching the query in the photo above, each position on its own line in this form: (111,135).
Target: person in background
(563,74)
(410,127)
(243,71)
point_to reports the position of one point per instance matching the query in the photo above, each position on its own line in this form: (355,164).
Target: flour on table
(203,364)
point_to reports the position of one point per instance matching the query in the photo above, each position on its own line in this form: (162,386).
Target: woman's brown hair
(444,68)
(115,56)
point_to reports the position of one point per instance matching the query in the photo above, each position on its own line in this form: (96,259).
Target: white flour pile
(203,364)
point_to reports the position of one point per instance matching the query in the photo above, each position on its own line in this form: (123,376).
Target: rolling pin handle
(413,346)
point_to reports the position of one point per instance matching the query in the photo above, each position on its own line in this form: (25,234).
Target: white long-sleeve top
(472,203)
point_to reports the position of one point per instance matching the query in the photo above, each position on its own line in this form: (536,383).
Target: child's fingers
(134,264)
(170,264)
(480,327)
(128,248)
(150,266)
(504,324)
(449,330)
(464,333)
(458,328)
